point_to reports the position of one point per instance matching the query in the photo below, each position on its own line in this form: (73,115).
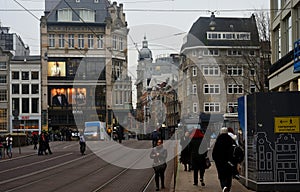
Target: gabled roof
(101,9)
(197,35)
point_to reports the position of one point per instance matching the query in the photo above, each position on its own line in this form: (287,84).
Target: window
(252,53)
(3,65)
(100,42)
(210,70)
(211,89)
(228,36)
(121,44)
(3,79)
(232,107)
(234,52)
(81,41)
(51,42)
(15,75)
(252,88)
(64,15)
(234,70)
(233,88)
(16,104)
(195,108)
(15,89)
(35,105)
(71,40)
(61,41)
(194,53)
(211,52)
(34,75)
(114,42)
(87,15)
(96,1)
(90,41)
(25,88)
(211,107)
(3,95)
(288,34)
(3,120)
(25,75)
(277,43)
(298,24)
(34,88)
(252,72)
(194,88)
(194,71)
(25,105)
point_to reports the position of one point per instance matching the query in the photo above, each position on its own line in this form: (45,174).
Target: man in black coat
(222,155)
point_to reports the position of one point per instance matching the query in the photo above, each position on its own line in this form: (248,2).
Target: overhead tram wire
(82,19)
(169,10)
(27,10)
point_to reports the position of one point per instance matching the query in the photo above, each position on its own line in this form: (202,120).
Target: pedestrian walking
(222,155)
(198,154)
(154,137)
(82,144)
(235,171)
(9,143)
(42,144)
(35,141)
(1,147)
(159,155)
(47,145)
(185,155)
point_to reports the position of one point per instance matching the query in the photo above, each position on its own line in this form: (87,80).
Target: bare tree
(256,68)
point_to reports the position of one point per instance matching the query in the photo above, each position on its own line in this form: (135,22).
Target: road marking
(49,168)
(27,165)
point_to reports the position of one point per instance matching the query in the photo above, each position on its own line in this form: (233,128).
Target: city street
(67,170)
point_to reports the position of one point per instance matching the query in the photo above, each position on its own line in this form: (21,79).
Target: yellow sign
(287,125)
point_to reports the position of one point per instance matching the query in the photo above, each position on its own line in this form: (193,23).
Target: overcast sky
(164,28)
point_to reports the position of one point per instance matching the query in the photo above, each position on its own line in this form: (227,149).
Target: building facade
(84,61)
(5,112)
(12,42)
(221,58)
(157,97)
(25,94)
(285,30)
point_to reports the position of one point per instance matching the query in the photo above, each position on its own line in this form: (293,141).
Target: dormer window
(77,1)
(96,1)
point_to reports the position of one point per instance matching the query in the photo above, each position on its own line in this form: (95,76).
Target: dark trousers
(160,174)
(224,174)
(201,173)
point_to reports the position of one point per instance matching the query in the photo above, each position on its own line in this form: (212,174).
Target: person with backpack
(238,154)
(222,155)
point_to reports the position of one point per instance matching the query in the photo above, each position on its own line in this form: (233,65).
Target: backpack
(238,154)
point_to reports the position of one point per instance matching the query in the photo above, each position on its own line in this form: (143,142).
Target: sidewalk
(184,181)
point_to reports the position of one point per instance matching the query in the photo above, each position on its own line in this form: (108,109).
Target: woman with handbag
(159,155)
(198,155)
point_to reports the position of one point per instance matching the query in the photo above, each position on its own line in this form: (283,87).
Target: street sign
(287,124)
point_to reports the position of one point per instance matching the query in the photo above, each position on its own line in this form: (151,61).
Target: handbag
(207,163)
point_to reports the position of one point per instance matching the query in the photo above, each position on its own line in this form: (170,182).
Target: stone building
(221,58)
(84,57)
(285,31)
